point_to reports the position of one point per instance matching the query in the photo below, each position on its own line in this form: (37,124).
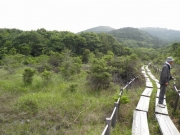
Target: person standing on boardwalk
(164,80)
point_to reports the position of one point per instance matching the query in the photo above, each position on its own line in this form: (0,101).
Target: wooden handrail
(111,122)
(177,98)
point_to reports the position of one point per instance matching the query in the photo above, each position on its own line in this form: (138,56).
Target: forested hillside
(164,34)
(134,37)
(36,43)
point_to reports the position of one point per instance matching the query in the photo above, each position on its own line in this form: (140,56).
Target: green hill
(135,37)
(132,37)
(99,29)
(167,35)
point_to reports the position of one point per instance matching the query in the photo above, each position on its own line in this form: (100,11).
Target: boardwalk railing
(177,98)
(111,121)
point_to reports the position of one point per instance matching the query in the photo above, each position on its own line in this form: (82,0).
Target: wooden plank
(145,66)
(167,127)
(147,79)
(151,75)
(143,72)
(142,68)
(156,80)
(143,104)
(140,124)
(159,109)
(158,85)
(149,84)
(147,92)
(147,69)
(145,75)
(157,94)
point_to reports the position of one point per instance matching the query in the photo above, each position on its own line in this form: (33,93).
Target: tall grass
(61,107)
(54,108)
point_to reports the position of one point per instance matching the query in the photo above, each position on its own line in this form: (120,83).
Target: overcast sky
(79,15)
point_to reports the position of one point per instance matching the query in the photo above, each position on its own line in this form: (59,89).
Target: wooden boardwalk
(166,125)
(140,122)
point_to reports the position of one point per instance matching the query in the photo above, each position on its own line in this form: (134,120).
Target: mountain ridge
(98,29)
(140,36)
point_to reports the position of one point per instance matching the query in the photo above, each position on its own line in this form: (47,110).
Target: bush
(55,59)
(28,105)
(41,68)
(72,87)
(11,62)
(71,67)
(99,76)
(46,76)
(28,76)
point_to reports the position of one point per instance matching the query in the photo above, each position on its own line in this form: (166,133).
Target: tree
(99,76)
(93,42)
(28,76)
(31,41)
(75,43)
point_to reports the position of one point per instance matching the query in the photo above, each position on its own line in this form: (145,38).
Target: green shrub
(46,76)
(55,59)
(71,67)
(41,68)
(73,87)
(28,76)
(99,76)
(28,105)
(11,62)
(124,100)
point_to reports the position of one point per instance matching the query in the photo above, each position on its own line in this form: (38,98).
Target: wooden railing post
(113,122)
(176,103)
(127,86)
(113,119)
(130,84)
(108,122)
(115,114)
(121,92)
(177,98)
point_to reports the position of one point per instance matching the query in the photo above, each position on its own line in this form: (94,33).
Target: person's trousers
(162,93)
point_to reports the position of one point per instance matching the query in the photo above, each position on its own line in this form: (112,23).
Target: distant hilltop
(99,29)
(167,35)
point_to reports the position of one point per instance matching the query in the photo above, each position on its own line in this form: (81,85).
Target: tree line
(41,41)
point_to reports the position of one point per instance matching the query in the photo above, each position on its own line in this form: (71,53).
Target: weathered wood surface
(156,80)
(160,110)
(147,79)
(166,125)
(140,124)
(146,67)
(158,85)
(143,72)
(147,92)
(142,68)
(149,84)
(145,76)
(157,94)
(143,104)
(152,76)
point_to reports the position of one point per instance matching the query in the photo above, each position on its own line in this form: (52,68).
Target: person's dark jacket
(165,74)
